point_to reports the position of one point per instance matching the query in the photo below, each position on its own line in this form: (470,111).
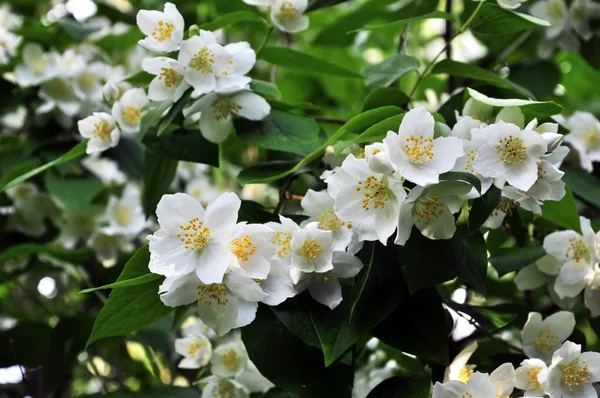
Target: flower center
(591,137)
(466,395)
(511,150)
(578,250)
(131,114)
(225,391)
(375,192)
(203,61)
(328,221)
(419,149)
(101,130)
(555,11)
(124,215)
(464,375)
(283,242)
(311,250)
(225,109)
(576,374)
(229,359)
(194,235)
(287,11)
(164,31)
(213,292)
(194,347)
(87,79)
(546,341)
(470,159)
(506,206)
(243,248)
(38,66)
(170,77)
(427,208)
(532,374)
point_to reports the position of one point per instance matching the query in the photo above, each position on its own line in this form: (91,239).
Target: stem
(266,40)
(447,38)
(434,60)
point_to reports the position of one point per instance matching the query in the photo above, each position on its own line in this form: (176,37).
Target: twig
(266,40)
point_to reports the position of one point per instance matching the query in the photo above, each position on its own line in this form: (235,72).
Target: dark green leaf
(159,173)
(490,318)
(460,176)
(316,4)
(253,212)
(76,194)
(140,280)
(584,185)
(129,310)
(280,131)
(563,213)
(233,18)
(168,392)
(390,70)
(175,111)
(295,316)
(140,78)
(514,258)
(417,386)
(296,60)
(186,145)
(540,77)
(496,20)
(437,14)
(75,256)
(378,131)
(483,208)
(470,71)
(153,110)
(75,152)
(265,89)
(384,96)
(265,172)
(28,343)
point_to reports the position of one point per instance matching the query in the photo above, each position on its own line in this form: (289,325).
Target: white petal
(328,293)
(244,288)
(220,317)
(346,265)
(529,278)
(221,215)
(253,106)
(212,262)
(180,290)
(175,210)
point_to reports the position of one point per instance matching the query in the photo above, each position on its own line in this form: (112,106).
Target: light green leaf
(531,109)
(471,71)
(563,213)
(390,70)
(495,20)
(75,152)
(437,14)
(129,310)
(378,131)
(140,280)
(153,110)
(159,173)
(515,258)
(233,18)
(175,111)
(292,59)
(265,89)
(266,172)
(75,193)
(281,131)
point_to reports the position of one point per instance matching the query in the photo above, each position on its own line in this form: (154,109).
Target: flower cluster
(287,15)
(9,42)
(556,367)
(584,137)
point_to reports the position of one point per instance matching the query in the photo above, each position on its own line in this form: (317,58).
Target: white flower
(288,16)
(432,210)
(573,372)
(578,254)
(478,386)
(532,377)
(415,154)
(469,131)
(163,30)
(127,111)
(107,246)
(369,201)
(191,238)
(221,306)
(536,274)
(229,359)
(106,170)
(458,369)
(30,209)
(219,110)
(550,133)
(324,287)
(168,83)
(555,12)
(58,94)
(241,61)
(9,43)
(202,189)
(71,64)
(591,295)
(580,13)
(504,379)
(217,387)
(196,351)
(203,60)
(584,137)
(510,4)
(88,84)
(510,154)
(101,130)
(251,250)
(378,158)
(125,215)
(37,66)
(252,380)
(311,249)
(319,207)
(542,337)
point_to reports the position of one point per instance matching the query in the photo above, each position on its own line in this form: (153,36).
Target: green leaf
(27,343)
(470,71)
(265,89)
(75,152)
(253,212)
(129,310)
(75,256)
(531,109)
(424,327)
(140,280)
(159,173)
(167,392)
(175,111)
(186,145)
(488,317)
(507,260)
(378,131)
(461,176)
(416,386)
(316,4)
(495,20)
(233,18)
(390,70)
(266,172)
(294,315)
(563,213)
(483,207)
(384,96)
(153,110)
(140,78)
(76,194)
(335,330)
(290,364)
(296,60)
(280,131)
(437,14)
(585,186)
